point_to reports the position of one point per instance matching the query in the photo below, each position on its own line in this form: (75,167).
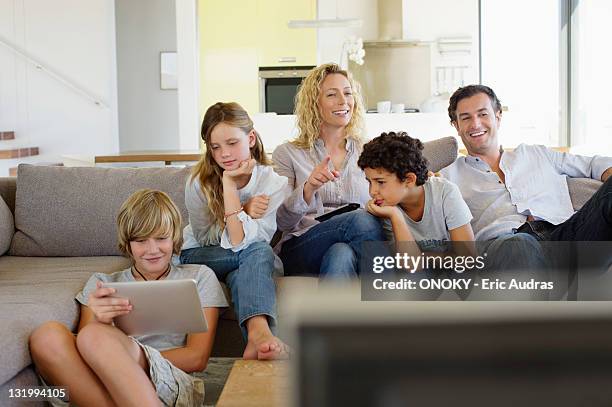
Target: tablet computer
(160,307)
(342,209)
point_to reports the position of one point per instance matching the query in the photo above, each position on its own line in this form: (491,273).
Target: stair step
(7,135)
(18,153)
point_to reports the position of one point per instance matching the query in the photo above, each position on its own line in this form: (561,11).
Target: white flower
(354,49)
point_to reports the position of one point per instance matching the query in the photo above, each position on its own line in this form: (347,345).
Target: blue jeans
(518,251)
(331,249)
(592,222)
(248,273)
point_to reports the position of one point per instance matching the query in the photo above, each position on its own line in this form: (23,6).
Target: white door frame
(187,48)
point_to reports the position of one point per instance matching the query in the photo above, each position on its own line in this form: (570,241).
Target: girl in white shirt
(226,236)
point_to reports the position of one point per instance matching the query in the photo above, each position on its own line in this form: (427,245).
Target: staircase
(7,135)
(13,153)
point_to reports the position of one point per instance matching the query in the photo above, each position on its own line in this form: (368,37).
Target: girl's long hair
(208,173)
(309,118)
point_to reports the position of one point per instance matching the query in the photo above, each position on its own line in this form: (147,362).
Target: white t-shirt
(444,210)
(209,291)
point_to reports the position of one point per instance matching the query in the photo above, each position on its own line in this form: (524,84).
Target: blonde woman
(222,235)
(321,165)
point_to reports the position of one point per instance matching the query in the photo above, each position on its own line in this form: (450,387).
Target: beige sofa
(57,227)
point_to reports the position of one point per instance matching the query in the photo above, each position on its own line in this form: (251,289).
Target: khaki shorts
(173,386)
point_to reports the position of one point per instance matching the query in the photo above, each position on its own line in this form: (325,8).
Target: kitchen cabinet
(279,45)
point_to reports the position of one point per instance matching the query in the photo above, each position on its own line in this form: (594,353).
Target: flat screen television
(451,354)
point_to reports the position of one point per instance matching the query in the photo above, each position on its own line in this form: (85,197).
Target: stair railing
(53,74)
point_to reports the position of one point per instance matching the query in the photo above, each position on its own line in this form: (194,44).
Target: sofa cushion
(36,290)
(7,227)
(64,211)
(581,189)
(8,186)
(25,378)
(440,152)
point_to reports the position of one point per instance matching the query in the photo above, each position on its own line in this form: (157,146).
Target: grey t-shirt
(209,291)
(444,210)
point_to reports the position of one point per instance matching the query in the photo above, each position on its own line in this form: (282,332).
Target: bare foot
(265,347)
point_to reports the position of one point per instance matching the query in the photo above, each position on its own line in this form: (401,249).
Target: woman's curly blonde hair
(307,107)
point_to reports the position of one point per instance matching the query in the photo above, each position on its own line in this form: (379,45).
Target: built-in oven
(278,86)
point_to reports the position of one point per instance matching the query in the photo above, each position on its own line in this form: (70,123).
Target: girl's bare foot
(262,344)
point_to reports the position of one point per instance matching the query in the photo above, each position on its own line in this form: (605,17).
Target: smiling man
(522,195)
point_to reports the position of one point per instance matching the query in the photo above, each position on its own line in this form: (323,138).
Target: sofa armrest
(581,189)
(7,227)
(8,189)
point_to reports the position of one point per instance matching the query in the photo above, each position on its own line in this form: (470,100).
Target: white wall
(148,116)
(76,40)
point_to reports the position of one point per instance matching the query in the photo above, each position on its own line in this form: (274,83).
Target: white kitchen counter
(516,128)
(276,129)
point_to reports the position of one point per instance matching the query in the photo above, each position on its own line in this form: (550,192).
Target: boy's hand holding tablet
(106,307)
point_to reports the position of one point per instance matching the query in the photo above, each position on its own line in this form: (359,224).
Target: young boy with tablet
(101,365)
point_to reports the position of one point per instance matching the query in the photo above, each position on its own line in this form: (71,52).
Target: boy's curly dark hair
(397,153)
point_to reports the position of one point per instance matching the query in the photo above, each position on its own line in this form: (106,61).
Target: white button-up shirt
(535,185)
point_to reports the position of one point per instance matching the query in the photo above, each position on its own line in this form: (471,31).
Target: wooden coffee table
(256,383)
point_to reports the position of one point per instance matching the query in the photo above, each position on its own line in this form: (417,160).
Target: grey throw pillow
(440,152)
(7,227)
(69,211)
